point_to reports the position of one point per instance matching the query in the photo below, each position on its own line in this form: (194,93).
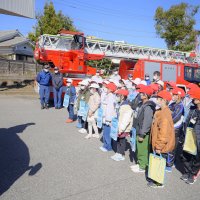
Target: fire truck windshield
(192,74)
(61,42)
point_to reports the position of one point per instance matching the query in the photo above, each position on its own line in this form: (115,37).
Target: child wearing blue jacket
(71,92)
(177,109)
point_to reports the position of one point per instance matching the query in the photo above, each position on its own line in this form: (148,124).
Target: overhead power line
(116,33)
(110,26)
(103,12)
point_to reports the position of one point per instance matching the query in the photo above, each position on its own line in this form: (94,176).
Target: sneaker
(88,136)
(118,157)
(168,169)
(82,130)
(103,149)
(56,107)
(69,121)
(184,177)
(46,106)
(42,107)
(155,185)
(96,136)
(190,181)
(116,154)
(138,170)
(134,166)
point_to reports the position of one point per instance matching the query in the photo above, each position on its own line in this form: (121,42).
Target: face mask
(97,74)
(46,70)
(91,91)
(118,99)
(174,98)
(158,102)
(147,78)
(56,71)
(105,89)
(82,87)
(68,84)
(116,73)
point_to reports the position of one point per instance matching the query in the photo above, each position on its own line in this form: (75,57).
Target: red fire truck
(69,51)
(181,73)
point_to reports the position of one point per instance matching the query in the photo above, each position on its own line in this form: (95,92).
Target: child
(162,130)
(187,101)
(156,76)
(177,115)
(104,91)
(155,87)
(191,162)
(132,91)
(94,103)
(109,113)
(71,91)
(170,86)
(125,117)
(84,95)
(142,124)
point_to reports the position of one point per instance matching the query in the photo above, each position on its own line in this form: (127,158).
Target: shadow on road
(14,156)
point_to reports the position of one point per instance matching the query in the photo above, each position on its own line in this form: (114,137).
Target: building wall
(26,48)
(23,8)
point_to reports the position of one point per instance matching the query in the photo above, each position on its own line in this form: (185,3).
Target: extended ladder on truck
(118,50)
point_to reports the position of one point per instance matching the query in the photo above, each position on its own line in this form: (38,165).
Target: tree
(50,22)
(176,26)
(105,64)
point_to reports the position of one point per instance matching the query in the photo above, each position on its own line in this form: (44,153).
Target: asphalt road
(43,158)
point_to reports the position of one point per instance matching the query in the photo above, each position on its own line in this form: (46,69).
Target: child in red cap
(142,123)
(177,109)
(162,130)
(109,113)
(125,120)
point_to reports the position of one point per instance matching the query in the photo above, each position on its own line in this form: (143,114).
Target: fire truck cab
(67,52)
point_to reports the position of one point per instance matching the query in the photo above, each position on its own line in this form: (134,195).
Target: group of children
(158,117)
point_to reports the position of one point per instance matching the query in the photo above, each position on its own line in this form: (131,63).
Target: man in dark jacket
(142,124)
(191,162)
(44,78)
(57,82)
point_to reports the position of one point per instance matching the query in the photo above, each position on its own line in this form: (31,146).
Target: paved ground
(42,158)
